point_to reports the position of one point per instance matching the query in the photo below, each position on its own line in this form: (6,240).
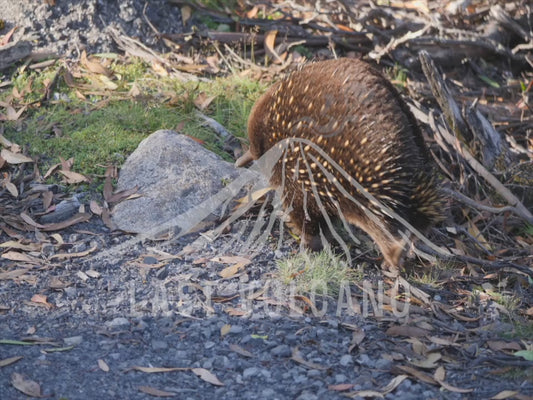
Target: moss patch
(107,125)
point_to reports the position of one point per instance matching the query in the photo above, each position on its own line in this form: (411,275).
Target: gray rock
(249,372)
(63,211)
(174,175)
(73,340)
(340,378)
(383,364)
(159,344)
(268,393)
(281,351)
(346,360)
(119,321)
(366,361)
(307,396)
(235,329)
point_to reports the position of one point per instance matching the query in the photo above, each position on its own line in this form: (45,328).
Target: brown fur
(358,118)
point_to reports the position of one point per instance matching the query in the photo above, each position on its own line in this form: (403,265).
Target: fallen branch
(454,117)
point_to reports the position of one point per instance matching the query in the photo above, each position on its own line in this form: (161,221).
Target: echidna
(344,115)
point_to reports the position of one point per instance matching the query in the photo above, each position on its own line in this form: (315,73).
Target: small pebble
(159,344)
(340,378)
(119,321)
(250,372)
(281,351)
(73,341)
(307,396)
(236,329)
(346,360)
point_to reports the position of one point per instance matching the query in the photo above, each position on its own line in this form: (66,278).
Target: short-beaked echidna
(362,126)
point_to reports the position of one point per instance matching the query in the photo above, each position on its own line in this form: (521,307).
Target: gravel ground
(75,25)
(107,315)
(122,310)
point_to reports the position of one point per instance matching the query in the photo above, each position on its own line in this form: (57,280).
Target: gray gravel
(129,317)
(71,26)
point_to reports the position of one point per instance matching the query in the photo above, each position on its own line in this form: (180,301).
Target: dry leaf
(418,347)
(270,43)
(155,370)
(5,142)
(234,312)
(80,95)
(73,177)
(82,275)
(393,384)
(419,5)
(7,37)
(404,330)
(500,345)
(443,341)
(103,365)
(186,13)
(26,386)
(429,362)
(106,217)
(48,197)
(12,189)
(225,329)
(58,238)
(232,270)
(357,337)
(57,284)
(451,388)
(239,350)
(95,208)
(17,273)
(66,165)
(14,158)
(108,83)
(64,256)
(231,259)
(81,217)
(202,101)
(155,392)
(440,374)
(422,376)
(11,244)
(93,66)
(504,394)
(159,69)
(41,299)
(12,114)
(121,195)
(207,376)
(297,357)
(474,231)
(16,256)
(365,394)
(51,170)
(93,274)
(8,361)
(341,387)
(253,197)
